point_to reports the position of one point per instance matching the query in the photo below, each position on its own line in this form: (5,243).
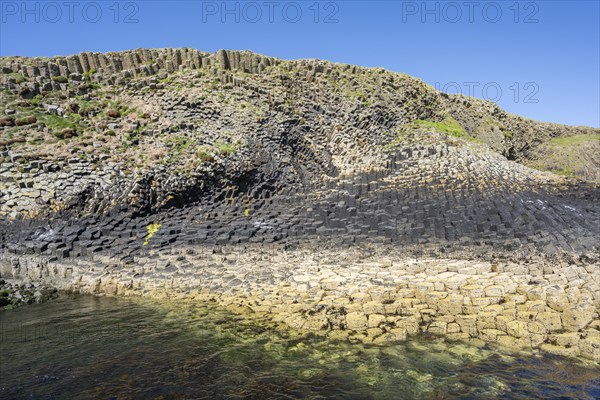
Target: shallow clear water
(88,348)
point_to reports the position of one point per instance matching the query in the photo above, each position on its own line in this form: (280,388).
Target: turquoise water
(102,348)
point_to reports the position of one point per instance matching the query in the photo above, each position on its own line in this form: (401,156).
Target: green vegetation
(131,139)
(113,109)
(417,132)
(126,110)
(88,75)
(360,96)
(178,143)
(87,107)
(178,146)
(204,155)
(571,156)
(60,79)
(567,171)
(56,122)
(36,99)
(27,120)
(449,126)
(225,148)
(62,127)
(428,87)
(18,78)
(573,140)
(65,133)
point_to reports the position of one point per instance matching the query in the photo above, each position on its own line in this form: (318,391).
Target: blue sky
(539,59)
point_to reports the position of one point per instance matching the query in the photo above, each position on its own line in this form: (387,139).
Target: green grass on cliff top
(414,133)
(449,125)
(574,140)
(57,122)
(571,156)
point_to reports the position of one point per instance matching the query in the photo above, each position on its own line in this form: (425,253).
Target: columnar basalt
(333,198)
(367,293)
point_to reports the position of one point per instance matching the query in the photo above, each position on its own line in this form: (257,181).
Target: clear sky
(539,59)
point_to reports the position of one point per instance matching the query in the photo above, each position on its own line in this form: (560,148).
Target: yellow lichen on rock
(152,229)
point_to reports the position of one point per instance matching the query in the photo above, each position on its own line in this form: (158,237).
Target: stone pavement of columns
(366,293)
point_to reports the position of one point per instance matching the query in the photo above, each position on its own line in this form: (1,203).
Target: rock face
(178,123)
(16,294)
(117,167)
(367,293)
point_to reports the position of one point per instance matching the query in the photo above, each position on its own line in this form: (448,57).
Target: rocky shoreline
(16,293)
(353,202)
(368,293)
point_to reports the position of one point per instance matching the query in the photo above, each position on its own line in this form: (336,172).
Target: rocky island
(351,202)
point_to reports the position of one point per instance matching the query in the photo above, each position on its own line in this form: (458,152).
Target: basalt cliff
(332,198)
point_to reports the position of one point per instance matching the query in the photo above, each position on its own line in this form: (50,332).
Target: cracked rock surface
(330,197)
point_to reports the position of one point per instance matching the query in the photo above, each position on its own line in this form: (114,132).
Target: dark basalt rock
(309,158)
